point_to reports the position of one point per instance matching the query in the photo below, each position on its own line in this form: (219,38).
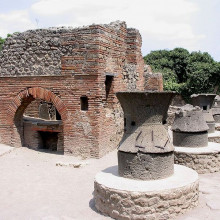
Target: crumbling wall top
(49,52)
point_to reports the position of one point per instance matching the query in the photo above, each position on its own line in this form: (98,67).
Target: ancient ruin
(189,128)
(205,102)
(190,139)
(68,77)
(216,109)
(145,151)
(216,112)
(146,184)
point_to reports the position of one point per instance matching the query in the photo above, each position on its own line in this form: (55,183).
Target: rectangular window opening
(84,103)
(108,84)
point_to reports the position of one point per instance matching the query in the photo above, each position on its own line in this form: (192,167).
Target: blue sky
(163,24)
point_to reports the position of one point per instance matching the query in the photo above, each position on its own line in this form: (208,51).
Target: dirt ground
(34,188)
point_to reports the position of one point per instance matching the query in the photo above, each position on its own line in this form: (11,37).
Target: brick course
(60,65)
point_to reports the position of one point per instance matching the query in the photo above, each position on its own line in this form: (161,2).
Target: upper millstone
(145,152)
(189,119)
(216,109)
(217,101)
(204,101)
(144,114)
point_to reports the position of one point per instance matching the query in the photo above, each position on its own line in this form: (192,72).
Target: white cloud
(15,21)
(163,20)
(57,7)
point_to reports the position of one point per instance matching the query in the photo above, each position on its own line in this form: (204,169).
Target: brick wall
(62,65)
(154,81)
(32,109)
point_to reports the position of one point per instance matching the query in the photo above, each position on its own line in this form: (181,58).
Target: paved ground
(33,187)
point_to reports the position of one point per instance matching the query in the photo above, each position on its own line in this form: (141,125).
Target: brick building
(76,72)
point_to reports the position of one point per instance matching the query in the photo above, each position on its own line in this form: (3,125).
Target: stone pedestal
(145,151)
(214,137)
(123,198)
(190,139)
(203,159)
(145,184)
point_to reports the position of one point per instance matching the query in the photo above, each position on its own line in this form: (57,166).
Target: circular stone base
(123,198)
(203,159)
(214,137)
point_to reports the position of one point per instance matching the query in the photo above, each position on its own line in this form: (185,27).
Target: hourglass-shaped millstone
(145,151)
(189,127)
(205,102)
(216,109)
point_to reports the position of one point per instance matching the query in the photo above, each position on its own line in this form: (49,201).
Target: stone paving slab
(4,149)
(211,148)
(34,188)
(215,134)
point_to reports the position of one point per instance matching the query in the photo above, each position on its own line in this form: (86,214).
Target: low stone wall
(214,139)
(126,199)
(150,206)
(202,163)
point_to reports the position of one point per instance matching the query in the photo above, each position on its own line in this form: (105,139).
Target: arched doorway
(37,132)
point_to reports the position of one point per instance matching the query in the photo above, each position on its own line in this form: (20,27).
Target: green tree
(159,60)
(179,56)
(185,72)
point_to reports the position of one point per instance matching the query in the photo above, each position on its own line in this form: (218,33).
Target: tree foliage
(185,72)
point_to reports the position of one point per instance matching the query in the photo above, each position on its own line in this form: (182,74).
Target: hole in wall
(204,107)
(125,122)
(84,103)
(164,122)
(108,84)
(133,123)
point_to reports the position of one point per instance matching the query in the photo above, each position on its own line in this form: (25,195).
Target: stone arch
(20,102)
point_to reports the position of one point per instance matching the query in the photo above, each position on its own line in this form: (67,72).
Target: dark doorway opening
(49,140)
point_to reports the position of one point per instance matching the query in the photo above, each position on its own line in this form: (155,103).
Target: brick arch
(20,102)
(36,93)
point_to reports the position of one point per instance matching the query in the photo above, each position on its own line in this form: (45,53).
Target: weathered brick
(61,65)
